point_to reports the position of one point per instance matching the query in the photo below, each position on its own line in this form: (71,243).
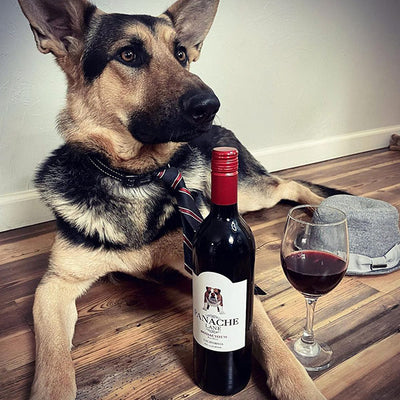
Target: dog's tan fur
(96,117)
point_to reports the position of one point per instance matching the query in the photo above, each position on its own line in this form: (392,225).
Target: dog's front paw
(294,385)
(54,385)
(53,392)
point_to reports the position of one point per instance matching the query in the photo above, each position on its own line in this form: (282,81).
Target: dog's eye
(134,55)
(128,55)
(181,55)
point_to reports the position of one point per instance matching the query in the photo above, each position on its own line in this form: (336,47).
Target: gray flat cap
(374,236)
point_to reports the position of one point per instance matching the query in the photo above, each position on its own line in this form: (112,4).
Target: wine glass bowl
(314,257)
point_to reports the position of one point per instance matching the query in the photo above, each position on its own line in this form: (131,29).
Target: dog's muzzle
(200,107)
(171,122)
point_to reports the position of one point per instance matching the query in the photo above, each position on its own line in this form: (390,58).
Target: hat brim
(364,265)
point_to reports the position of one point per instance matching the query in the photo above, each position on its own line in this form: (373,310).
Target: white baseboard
(25,208)
(295,154)
(22,209)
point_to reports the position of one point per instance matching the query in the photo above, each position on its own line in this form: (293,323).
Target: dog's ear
(57,25)
(192,20)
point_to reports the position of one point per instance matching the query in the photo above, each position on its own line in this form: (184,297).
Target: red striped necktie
(190,214)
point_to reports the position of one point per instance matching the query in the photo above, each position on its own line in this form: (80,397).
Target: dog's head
(130,92)
(213,294)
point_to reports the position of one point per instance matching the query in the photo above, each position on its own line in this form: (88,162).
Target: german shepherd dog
(132,108)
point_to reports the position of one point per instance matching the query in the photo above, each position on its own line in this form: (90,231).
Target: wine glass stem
(308,333)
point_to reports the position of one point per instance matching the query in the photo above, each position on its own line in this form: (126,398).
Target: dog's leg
(265,191)
(72,270)
(55,315)
(286,377)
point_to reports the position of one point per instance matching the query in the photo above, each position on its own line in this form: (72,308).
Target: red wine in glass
(314,254)
(313,272)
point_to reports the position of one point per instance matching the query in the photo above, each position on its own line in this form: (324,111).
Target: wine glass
(314,256)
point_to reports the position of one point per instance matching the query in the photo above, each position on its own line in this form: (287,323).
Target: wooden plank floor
(133,340)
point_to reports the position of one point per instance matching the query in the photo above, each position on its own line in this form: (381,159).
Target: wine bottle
(223,285)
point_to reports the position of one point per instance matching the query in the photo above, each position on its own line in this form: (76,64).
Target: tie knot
(171,177)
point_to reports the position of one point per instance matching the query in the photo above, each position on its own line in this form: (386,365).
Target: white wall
(316,75)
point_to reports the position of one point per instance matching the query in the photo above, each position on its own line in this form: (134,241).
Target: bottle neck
(224,193)
(224,212)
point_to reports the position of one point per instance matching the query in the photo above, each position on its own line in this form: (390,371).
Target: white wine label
(219,312)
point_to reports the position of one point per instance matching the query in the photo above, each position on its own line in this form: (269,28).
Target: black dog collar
(129,180)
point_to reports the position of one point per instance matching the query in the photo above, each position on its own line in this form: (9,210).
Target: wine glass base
(314,357)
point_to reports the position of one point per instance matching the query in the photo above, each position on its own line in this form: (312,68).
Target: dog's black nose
(200,107)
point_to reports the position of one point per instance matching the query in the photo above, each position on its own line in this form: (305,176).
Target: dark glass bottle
(223,285)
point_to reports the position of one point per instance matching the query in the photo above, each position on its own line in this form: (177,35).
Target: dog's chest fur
(96,210)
